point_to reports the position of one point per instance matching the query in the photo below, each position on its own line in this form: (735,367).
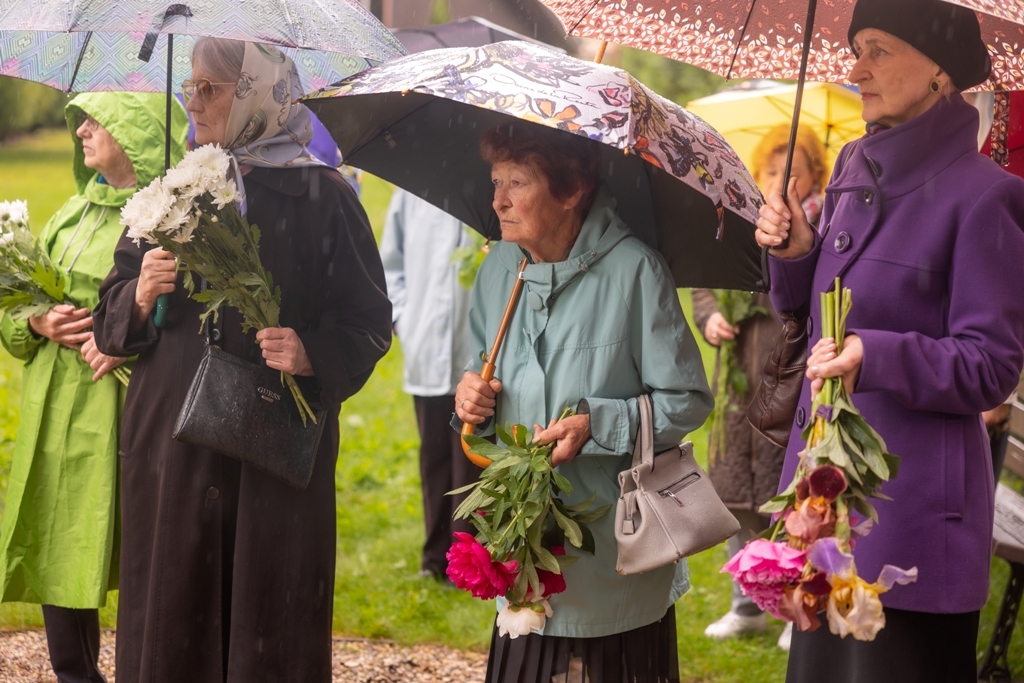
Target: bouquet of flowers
(803,564)
(191,213)
(516,509)
(30,285)
(735,307)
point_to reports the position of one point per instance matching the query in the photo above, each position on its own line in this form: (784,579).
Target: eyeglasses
(88,122)
(201,87)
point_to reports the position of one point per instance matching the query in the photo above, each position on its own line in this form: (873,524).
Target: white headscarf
(264,128)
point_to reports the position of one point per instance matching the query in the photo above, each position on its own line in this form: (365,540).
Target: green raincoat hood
(136,121)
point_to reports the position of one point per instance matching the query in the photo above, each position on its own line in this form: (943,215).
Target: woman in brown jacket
(747,474)
(227,574)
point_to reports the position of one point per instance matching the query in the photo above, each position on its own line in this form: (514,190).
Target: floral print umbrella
(417,121)
(763,39)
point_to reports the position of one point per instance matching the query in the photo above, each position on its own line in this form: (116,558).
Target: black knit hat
(947,34)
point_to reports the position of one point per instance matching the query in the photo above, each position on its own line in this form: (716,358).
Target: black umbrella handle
(812,5)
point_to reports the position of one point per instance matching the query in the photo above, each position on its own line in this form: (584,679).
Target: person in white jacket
(430,319)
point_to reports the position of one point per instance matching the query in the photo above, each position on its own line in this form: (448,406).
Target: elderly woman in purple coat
(928,235)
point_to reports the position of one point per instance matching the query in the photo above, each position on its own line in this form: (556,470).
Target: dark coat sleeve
(354,330)
(112,318)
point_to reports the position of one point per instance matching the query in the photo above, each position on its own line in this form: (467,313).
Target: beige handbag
(668,509)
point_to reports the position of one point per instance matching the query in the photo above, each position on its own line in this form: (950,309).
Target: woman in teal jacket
(59,534)
(598,324)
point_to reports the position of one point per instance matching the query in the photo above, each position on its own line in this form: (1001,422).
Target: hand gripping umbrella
(417,122)
(90,45)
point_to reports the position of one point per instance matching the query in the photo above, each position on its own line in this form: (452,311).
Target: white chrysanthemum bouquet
(30,285)
(191,213)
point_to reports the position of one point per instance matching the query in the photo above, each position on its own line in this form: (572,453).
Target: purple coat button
(843,242)
(801,417)
(810,327)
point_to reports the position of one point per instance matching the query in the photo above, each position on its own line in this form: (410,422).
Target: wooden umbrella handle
(487,371)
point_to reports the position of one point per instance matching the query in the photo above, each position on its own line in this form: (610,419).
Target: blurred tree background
(26,106)
(671,79)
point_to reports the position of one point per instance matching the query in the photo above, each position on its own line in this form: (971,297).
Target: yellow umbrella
(745,114)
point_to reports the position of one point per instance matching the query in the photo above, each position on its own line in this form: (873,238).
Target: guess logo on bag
(268,395)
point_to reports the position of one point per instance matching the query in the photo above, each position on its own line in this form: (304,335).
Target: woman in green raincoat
(598,325)
(59,534)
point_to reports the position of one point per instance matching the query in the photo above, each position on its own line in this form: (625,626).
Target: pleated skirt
(648,654)
(914,647)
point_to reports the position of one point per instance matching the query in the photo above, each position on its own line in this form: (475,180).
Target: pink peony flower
(552,582)
(471,568)
(764,570)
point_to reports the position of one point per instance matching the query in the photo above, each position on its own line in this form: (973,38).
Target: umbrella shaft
(812,5)
(487,371)
(167,116)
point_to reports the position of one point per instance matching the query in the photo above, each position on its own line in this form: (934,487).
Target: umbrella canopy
(417,122)
(466,32)
(763,39)
(745,114)
(86,45)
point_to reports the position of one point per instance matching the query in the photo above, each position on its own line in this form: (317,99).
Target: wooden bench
(1008,544)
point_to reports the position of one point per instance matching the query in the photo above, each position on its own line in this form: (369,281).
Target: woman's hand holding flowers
(283,350)
(823,363)
(778,221)
(568,435)
(100,362)
(475,399)
(157,276)
(717,329)
(64,324)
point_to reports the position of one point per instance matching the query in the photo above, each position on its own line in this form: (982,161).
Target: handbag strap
(644,449)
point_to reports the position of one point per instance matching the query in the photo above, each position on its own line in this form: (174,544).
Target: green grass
(379,512)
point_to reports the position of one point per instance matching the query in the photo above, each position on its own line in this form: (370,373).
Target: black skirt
(914,647)
(648,654)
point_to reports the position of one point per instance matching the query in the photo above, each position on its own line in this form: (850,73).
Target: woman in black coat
(227,574)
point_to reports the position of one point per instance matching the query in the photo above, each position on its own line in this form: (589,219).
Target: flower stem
(300,400)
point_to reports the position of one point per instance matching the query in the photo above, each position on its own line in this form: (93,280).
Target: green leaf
(561,483)
(503,434)
(589,516)
(545,560)
(831,450)
(865,508)
(251,279)
(566,561)
(588,541)
(893,463)
(581,506)
(573,531)
(776,504)
(870,453)
(463,489)
(481,446)
(471,504)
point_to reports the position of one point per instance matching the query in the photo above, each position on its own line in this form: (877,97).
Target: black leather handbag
(241,409)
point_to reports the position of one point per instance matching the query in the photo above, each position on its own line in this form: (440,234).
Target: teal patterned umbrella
(417,121)
(87,45)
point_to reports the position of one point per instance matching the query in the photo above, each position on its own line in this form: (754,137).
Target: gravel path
(23,659)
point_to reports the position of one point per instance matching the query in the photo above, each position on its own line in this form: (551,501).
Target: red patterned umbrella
(764,38)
